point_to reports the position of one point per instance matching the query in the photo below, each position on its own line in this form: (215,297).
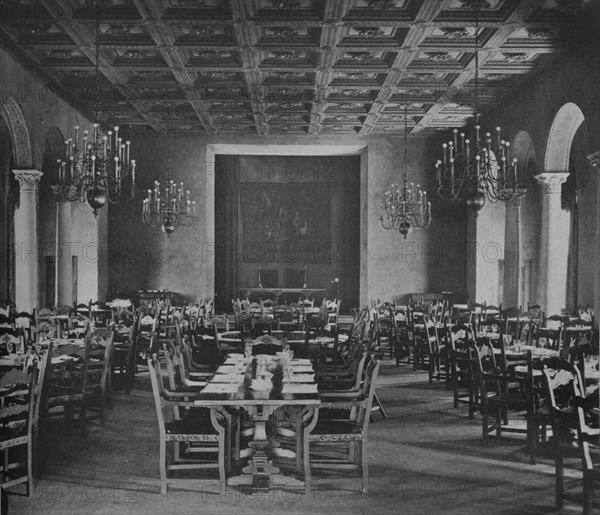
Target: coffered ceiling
(286,66)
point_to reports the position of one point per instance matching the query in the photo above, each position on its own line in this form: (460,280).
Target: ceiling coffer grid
(286,66)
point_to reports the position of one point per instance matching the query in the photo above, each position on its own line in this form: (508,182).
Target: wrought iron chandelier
(405,208)
(171,208)
(471,170)
(98,168)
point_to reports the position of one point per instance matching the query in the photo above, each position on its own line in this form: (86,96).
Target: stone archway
(555,221)
(25,216)
(517,274)
(19,133)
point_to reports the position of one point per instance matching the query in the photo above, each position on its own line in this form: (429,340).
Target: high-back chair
(64,380)
(16,422)
(97,367)
(588,439)
(206,432)
(464,381)
(348,433)
(564,394)
(502,391)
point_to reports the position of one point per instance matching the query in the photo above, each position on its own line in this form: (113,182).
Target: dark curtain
(226,227)
(341,248)
(349,239)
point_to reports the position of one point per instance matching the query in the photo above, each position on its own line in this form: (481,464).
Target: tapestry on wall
(286,222)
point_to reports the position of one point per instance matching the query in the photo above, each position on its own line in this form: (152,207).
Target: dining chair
(348,434)
(97,367)
(465,385)
(502,391)
(16,421)
(563,386)
(205,430)
(588,439)
(64,381)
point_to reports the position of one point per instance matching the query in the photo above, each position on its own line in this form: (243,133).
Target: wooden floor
(426,457)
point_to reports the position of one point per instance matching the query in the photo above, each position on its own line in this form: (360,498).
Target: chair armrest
(341,405)
(340,394)
(200,375)
(194,384)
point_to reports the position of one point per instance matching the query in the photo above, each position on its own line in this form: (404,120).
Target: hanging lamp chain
(169,145)
(97,106)
(477,63)
(405,141)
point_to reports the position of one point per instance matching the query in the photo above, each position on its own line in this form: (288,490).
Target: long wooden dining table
(259,385)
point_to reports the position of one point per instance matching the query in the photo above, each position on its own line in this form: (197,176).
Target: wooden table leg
(261,466)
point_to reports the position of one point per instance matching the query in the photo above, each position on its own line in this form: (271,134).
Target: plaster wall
(44,111)
(143,257)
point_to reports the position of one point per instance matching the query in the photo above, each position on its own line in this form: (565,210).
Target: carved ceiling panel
(287,66)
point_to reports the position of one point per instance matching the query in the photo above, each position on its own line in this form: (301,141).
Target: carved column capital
(28,179)
(552,181)
(515,200)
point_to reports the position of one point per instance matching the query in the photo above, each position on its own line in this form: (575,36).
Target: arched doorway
(23,242)
(522,229)
(53,150)
(556,221)
(9,195)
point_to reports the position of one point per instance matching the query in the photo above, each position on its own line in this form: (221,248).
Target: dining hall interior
(299,255)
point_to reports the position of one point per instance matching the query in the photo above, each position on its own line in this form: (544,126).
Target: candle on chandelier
(119,149)
(95,126)
(499,141)
(127,150)
(438,171)
(76,133)
(507,144)
(467,142)
(477,160)
(93,165)
(109,140)
(514,161)
(188,208)
(444,147)
(477,127)
(187,195)
(133,171)
(85,136)
(72,173)
(455,131)
(462,142)
(193,208)
(452,170)
(451,149)
(116,165)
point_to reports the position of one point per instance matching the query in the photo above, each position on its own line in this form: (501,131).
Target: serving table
(241,383)
(265,293)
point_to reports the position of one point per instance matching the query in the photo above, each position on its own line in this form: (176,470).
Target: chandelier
(171,208)
(405,208)
(96,168)
(479,169)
